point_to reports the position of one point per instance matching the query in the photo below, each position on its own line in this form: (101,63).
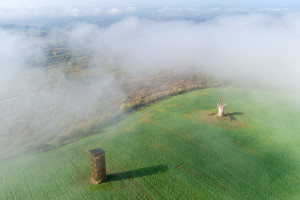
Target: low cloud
(114,11)
(131,8)
(74,12)
(253,47)
(256,48)
(40,104)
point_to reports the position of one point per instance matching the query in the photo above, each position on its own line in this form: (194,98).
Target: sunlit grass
(176,149)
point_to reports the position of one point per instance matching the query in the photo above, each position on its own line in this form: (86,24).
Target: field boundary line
(270,161)
(27,185)
(72,162)
(125,185)
(131,178)
(206,149)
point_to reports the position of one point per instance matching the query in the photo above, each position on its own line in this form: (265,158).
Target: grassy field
(176,149)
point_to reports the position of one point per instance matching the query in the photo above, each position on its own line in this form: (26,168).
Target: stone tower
(221,107)
(221,110)
(98,165)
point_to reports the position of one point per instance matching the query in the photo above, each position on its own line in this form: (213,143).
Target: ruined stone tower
(220,111)
(98,165)
(221,107)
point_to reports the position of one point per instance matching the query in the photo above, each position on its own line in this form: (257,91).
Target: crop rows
(158,153)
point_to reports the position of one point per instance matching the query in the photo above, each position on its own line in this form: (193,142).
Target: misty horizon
(246,48)
(143,99)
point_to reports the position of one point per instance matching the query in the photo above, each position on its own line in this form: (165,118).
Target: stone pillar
(98,165)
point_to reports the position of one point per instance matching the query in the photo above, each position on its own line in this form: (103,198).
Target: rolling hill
(176,149)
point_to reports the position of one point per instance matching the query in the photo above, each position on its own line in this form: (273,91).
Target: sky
(181,3)
(15,11)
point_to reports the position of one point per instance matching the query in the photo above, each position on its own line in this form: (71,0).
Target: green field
(176,149)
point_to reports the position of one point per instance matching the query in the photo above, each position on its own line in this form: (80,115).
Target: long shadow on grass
(137,173)
(232,114)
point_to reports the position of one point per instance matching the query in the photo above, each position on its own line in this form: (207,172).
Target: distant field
(176,149)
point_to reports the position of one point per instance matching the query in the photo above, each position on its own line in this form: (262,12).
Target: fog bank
(252,48)
(255,47)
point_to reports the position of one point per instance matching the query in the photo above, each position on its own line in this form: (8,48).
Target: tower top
(96,152)
(221,103)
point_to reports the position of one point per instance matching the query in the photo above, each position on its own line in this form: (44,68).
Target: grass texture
(176,149)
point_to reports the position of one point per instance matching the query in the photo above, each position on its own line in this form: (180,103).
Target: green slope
(176,149)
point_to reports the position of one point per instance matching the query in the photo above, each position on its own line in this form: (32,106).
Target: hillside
(55,103)
(176,149)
